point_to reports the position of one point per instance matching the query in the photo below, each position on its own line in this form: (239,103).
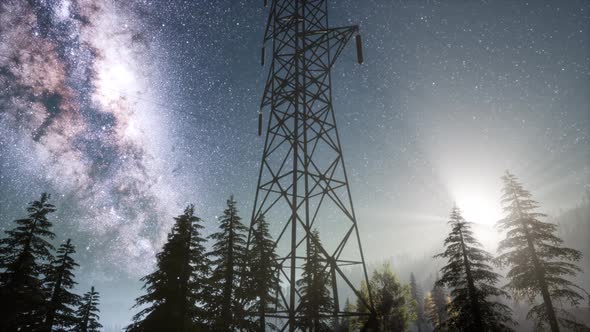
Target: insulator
(263,55)
(259,123)
(359,49)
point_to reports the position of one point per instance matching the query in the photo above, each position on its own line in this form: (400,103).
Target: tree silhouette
(59,282)
(23,256)
(179,282)
(227,255)
(472,282)
(87,313)
(538,262)
(314,286)
(419,301)
(435,307)
(262,276)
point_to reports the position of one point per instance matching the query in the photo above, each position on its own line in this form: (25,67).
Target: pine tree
(263,278)
(87,314)
(419,302)
(60,281)
(228,256)
(435,307)
(178,284)
(472,282)
(24,255)
(538,262)
(314,287)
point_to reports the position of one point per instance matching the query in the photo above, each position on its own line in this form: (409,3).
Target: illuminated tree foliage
(262,276)
(178,284)
(23,256)
(393,302)
(435,307)
(314,287)
(60,314)
(87,313)
(227,256)
(539,264)
(471,280)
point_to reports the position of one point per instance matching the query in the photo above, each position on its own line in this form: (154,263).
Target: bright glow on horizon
(479,207)
(482,208)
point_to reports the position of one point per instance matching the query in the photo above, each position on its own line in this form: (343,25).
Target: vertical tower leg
(302,184)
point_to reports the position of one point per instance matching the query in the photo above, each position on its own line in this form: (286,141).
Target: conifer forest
(294,165)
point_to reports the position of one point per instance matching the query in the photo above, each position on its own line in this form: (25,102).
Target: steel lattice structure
(302,184)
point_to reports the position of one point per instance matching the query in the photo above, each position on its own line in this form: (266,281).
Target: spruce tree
(59,282)
(87,313)
(419,301)
(24,255)
(539,263)
(471,280)
(263,278)
(435,307)
(178,284)
(227,256)
(315,289)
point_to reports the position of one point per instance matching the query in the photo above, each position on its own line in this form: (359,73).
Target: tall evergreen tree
(59,282)
(419,302)
(315,289)
(539,263)
(87,313)
(24,255)
(178,284)
(263,279)
(227,256)
(472,281)
(435,307)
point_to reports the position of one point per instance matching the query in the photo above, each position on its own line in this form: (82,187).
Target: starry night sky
(125,111)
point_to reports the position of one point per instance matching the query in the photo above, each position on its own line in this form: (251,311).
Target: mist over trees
(436,307)
(229,280)
(418,298)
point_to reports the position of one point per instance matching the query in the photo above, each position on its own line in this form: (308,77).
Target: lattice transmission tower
(302,184)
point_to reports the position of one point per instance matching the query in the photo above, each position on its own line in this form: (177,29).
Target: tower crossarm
(338,39)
